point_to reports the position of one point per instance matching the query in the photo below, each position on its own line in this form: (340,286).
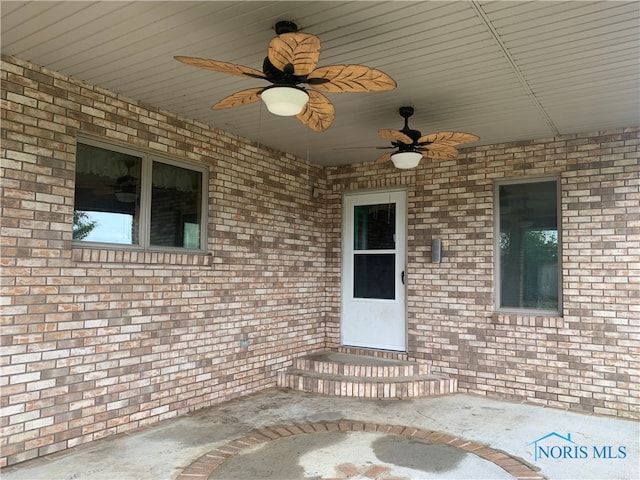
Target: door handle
(402,277)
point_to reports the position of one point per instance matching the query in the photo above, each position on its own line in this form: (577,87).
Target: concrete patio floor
(285,435)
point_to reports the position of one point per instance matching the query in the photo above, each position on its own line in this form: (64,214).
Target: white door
(373,270)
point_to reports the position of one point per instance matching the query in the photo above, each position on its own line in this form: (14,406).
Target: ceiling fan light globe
(284,101)
(405,160)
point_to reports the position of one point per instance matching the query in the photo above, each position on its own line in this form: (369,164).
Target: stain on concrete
(277,460)
(417,454)
(326,455)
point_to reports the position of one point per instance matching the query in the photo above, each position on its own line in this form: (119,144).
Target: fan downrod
(406,112)
(285,26)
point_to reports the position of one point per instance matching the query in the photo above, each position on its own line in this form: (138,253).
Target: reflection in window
(375,227)
(528,246)
(122,198)
(109,227)
(107,196)
(175,206)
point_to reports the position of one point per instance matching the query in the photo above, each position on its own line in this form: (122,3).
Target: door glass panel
(375,227)
(374,275)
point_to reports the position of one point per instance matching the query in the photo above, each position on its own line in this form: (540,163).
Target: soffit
(506,71)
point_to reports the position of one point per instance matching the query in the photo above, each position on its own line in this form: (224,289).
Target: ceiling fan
(126,186)
(291,60)
(411,145)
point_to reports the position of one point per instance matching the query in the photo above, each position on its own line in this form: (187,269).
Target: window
(135,198)
(527,250)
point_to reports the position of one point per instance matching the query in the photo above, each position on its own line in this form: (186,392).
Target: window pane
(176,198)
(107,196)
(375,227)
(374,276)
(529,246)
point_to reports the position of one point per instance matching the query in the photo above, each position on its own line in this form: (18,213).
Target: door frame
(343,269)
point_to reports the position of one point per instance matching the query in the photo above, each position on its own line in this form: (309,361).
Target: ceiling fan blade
(349,78)
(449,138)
(439,152)
(222,67)
(395,136)
(243,97)
(384,158)
(300,50)
(318,113)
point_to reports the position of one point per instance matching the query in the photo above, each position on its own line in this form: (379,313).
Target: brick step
(363,376)
(358,365)
(374,353)
(346,386)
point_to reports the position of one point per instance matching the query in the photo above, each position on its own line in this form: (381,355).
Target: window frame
(146,175)
(496,247)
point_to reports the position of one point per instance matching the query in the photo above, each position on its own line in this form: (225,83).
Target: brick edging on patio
(204,466)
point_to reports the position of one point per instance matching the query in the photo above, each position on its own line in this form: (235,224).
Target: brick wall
(587,359)
(97,342)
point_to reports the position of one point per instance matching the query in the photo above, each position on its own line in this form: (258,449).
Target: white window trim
(148,157)
(496,247)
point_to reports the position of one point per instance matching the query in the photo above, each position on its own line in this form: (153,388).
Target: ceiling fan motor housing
(279,77)
(413,134)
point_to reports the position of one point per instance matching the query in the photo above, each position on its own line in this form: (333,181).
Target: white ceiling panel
(504,70)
